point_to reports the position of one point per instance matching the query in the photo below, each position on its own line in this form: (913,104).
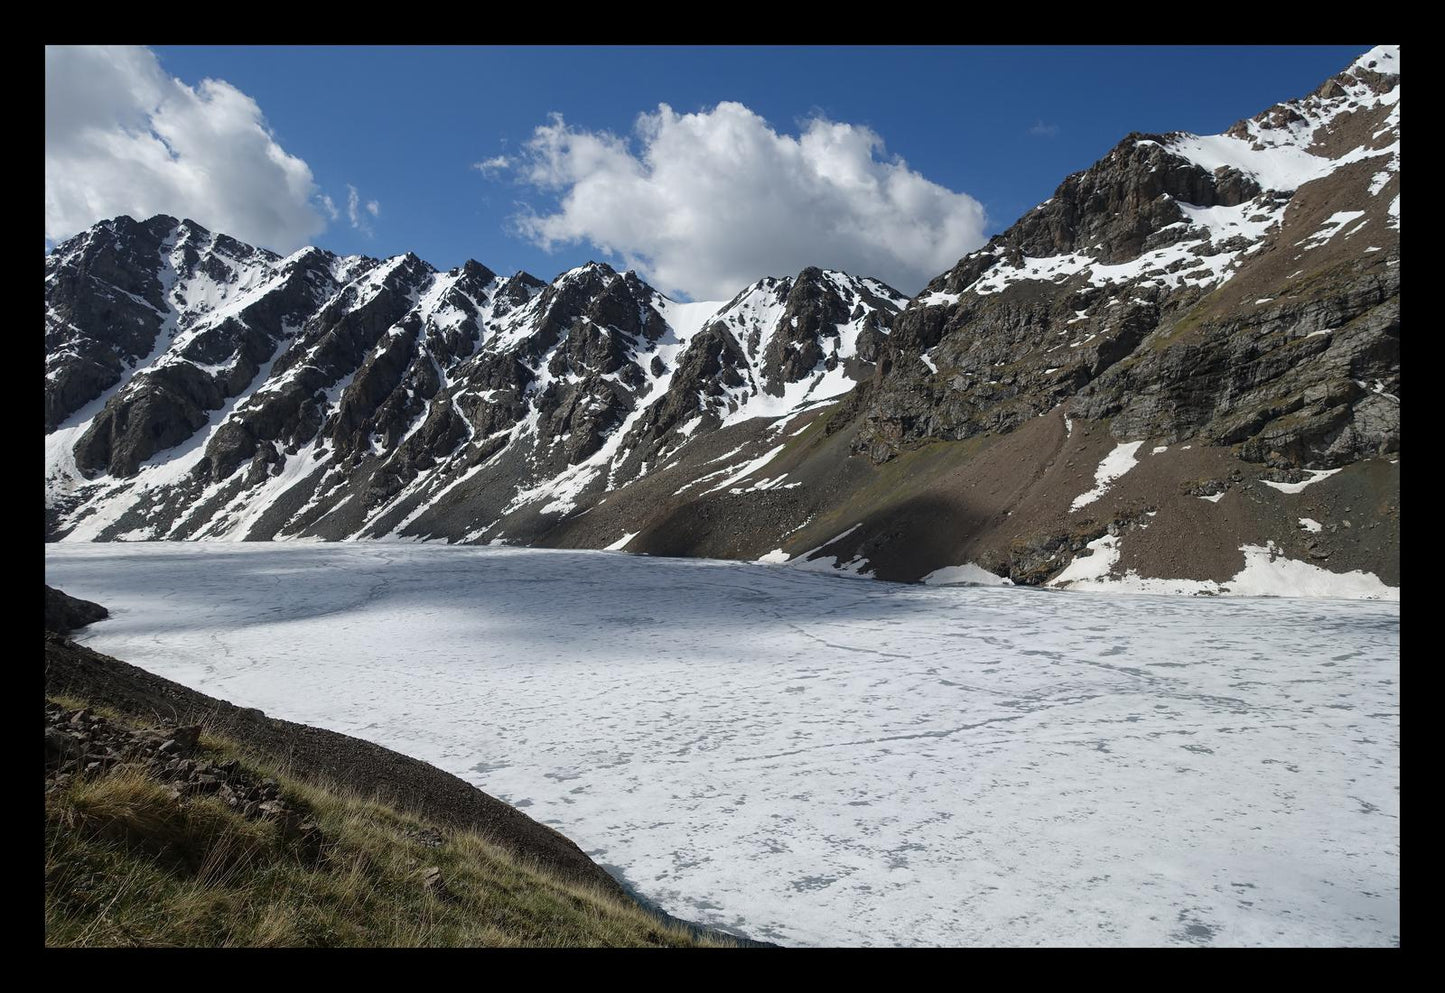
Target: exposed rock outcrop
(65,613)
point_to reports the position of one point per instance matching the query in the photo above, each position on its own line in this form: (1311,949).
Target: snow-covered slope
(1226,307)
(337,397)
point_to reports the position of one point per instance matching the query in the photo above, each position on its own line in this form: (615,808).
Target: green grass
(128,865)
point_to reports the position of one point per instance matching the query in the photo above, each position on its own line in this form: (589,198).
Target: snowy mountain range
(1179,373)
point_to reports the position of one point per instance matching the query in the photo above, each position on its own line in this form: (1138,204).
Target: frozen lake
(822,761)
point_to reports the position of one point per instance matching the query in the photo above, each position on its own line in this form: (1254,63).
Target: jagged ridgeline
(1186,360)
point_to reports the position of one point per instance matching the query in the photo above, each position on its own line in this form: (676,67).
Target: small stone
(187,737)
(272,810)
(57,742)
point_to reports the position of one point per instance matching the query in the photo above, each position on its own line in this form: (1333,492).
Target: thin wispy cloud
(704,203)
(493,165)
(1043,130)
(354,208)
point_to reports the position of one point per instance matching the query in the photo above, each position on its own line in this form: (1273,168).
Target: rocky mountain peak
(1094,289)
(474,272)
(1379,68)
(185,229)
(1291,143)
(309,257)
(1112,209)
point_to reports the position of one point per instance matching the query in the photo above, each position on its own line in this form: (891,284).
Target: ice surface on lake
(816,761)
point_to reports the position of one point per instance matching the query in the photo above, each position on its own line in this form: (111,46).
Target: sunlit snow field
(821,761)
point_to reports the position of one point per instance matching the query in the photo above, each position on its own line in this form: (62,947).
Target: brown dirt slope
(1001,501)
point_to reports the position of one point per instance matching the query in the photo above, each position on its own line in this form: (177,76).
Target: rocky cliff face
(1178,342)
(1241,289)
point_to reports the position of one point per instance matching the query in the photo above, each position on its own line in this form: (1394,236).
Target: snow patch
(747,470)
(1114,465)
(1268,573)
(1315,476)
(621,543)
(968,574)
(1093,567)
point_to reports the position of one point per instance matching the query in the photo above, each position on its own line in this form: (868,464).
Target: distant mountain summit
(1181,369)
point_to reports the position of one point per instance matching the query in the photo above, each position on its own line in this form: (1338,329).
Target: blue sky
(405,127)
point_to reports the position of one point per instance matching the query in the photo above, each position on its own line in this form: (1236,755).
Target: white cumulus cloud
(705,203)
(124,137)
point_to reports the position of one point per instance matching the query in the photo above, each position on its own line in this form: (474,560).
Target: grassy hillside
(134,856)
